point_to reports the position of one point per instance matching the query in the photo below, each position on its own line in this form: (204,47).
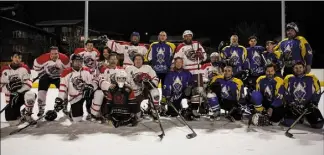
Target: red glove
(145,76)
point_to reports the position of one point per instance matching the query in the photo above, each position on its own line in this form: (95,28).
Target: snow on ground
(62,137)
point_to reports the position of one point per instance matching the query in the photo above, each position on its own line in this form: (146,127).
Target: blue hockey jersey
(237,56)
(160,55)
(272,89)
(176,82)
(254,60)
(231,89)
(302,90)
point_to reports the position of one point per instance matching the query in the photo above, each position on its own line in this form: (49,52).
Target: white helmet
(186,33)
(214,54)
(121,77)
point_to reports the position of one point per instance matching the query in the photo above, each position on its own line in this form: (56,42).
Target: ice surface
(65,138)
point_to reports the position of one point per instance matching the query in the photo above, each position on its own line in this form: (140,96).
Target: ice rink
(61,137)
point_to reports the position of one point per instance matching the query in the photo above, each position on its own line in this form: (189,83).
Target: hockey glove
(199,55)
(269,112)
(59,104)
(50,115)
(145,77)
(88,91)
(14,84)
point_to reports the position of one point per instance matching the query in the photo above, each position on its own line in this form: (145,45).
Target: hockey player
(160,55)
(303,92)
(214,68)
(107,74)
(90,56)
(294,48)
(176,82)
(235,54)
(49,67)
(193,54)
(16,85)
(268,98)
(229,92)
(140,73)
(128,49)
(273,57)
(122,106)
(75,83)
(255,61)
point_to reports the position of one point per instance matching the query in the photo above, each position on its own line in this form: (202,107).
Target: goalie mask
(120,78)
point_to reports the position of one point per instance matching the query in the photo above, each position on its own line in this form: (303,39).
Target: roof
(27,25)
(58,22)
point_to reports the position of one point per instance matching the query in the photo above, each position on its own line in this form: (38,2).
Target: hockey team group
(114,93)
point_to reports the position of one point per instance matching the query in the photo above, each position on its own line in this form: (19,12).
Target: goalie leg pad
(315,119)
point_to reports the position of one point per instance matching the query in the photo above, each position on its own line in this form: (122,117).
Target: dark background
(215,20)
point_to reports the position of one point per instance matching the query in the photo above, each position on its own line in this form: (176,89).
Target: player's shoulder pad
(124,43)
(26,68)
(241,46)
(179,47)
(238,81)
(78,50)
(216,77)
(260,78)
(64,58)
(311,75)
(86,69)
(224,48)
(171,45)
(97,51)
(301,38)
(3,68)
(288,77)
(66,72)
(279,80)
(43,58)
(102,69)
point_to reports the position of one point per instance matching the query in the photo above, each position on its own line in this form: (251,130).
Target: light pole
(86,20)
(283,20)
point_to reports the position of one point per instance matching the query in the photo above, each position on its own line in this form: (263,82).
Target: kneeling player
(230,94)
(176,82)
(17,85)
(268,98)
(75,82)
(121,103)
(303,92)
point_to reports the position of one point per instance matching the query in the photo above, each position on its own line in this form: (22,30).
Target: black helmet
(76,57)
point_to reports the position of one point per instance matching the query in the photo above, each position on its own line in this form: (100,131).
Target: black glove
(311,107)
(14,84)
(88,91)
(59,104)
(50,115)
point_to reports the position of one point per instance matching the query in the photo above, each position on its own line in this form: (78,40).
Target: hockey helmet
(76,57)
(293,26)
(121,77)
(186,33)
(214,54)
(50,115)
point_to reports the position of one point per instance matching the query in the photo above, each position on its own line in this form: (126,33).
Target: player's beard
(14,65)
(188,42)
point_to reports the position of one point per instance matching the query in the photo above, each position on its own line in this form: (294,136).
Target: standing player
(295,48)
(49,67)
(16,84)
(192,51)
(129,50)
(90,56)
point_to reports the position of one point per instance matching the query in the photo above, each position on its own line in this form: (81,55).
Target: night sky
(215,20)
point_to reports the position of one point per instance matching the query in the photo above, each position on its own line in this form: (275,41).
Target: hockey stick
(191,135)
(3,109)
(157,113)
(29,124)
(287,133)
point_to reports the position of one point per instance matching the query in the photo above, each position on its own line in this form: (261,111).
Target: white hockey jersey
(189,55)
(210,71)
(90,58)
(44,64)
(128,50)
(72,83)
(7,74)
(134,71)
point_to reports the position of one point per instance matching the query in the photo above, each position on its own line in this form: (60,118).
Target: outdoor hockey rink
(61,137)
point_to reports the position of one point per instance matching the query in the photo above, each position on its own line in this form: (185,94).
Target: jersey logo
(132,53)
(299,91)
(78,83)
(256,58)
(160,55)
(118,99)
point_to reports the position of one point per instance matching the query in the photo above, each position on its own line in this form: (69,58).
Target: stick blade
(289,134)
(192,135)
